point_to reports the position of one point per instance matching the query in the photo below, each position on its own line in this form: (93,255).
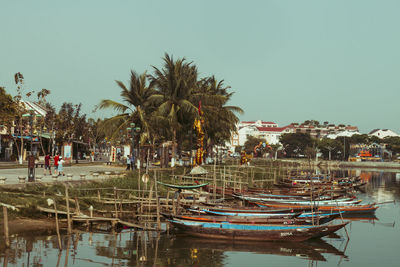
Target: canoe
(182,187)
(200,208)
(369,208)
(341,201)
(307,219)
(259,232)
(254,214)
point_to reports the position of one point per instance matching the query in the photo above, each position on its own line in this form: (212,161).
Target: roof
(271,129)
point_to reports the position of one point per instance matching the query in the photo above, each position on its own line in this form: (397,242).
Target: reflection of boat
(360,217)
(306,250)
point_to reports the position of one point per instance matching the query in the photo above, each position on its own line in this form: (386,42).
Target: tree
(252,142)
(137,107)
(175,84)
(330,148)
(220,119)
(8,109)
(294,144)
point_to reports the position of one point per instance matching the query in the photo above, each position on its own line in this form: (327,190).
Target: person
(132,159)
(47,164)
(60,167)
(56,159)
(128,163)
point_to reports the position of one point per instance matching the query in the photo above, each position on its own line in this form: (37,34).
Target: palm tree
(175,84)
(137,107)
(220,119)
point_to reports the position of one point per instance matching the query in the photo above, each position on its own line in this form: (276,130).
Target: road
(12,175)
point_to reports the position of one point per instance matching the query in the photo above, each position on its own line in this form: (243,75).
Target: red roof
(271,129)
(268,122)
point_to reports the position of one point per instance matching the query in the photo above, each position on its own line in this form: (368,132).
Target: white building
(382,133)
(261,129)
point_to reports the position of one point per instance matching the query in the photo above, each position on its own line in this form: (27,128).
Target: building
(382,133)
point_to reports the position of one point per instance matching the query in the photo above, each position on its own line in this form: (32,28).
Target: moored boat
(262,232)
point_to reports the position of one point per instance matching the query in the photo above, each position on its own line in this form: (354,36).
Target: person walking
(47,166)
(128,162)
(132,160)
(60,167)
(56,159)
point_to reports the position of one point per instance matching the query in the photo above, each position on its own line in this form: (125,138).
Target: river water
(373,241)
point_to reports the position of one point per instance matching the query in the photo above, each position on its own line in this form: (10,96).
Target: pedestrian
(128,162)
(47,166)
(56,159)
(60,167)
(132,159)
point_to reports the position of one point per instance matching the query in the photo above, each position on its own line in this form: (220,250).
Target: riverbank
(345,164)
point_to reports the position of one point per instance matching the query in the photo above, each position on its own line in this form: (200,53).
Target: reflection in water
(139,248)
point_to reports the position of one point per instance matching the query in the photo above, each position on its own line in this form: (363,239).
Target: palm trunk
(21,151)
(173,149)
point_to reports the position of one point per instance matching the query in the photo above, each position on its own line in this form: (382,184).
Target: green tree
(330,148)
(252,142)
(137,107)
(175,83)
(8,109)
(295,144)
(220,118)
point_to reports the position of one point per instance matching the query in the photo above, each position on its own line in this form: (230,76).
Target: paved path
(75,170)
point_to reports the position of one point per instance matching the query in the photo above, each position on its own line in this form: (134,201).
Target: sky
(286,60)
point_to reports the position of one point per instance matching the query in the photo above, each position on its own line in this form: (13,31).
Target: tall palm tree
(175,83)
(136,108)
(220,119)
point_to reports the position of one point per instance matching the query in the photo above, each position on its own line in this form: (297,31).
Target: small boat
(182,187)
(255,232)
(316,219)
(369,208)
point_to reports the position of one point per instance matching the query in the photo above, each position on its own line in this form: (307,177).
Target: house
(382,133)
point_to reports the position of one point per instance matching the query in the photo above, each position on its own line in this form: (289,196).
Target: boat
(182,187)
(254,232)
(368,208)
(316,219)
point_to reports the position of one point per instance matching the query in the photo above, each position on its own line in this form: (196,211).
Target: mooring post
(6,237)
(57,227)
(158,201)
(115,202)
(68,213)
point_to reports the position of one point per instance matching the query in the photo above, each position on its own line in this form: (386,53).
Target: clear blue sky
(287,61)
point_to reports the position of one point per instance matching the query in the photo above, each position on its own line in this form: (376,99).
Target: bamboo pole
(215,181)
(57,227)
(6,236)
(115,202)
(68,212)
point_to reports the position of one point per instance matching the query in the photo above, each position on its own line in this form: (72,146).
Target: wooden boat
(259,232)
(288,215)
(201,208)
(252,219)
(182,187)
(341,201)
(369,208)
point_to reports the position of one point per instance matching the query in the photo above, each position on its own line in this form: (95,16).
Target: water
(373,242)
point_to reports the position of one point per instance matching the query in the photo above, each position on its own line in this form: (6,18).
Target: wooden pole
(6,237)
(77,209)
(215,181)
(115,202)
(57,227)
(158,201)
(68,214)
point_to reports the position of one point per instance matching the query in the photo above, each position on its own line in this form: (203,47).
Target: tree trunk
(173,149)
